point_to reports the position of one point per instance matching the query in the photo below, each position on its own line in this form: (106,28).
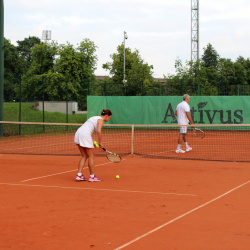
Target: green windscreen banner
(158,110)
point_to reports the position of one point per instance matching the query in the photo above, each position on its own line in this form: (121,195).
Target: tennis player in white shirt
(83,139)
(183,115)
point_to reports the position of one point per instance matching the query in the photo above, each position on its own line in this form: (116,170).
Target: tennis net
(221,142)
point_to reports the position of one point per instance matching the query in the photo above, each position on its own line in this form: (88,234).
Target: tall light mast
(46,36)
(194,30)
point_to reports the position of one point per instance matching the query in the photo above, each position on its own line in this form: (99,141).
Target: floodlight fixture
(46,35)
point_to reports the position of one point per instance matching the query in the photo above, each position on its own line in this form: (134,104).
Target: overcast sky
(159,29)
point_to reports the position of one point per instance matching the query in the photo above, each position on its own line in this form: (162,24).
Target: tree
(43,57)
(138,73)
(231,74)
(185,79)
(246,64)
(210,57)
(78,66)
(87,59)
(60,72)
(24,49)
(208,79)
(13,68)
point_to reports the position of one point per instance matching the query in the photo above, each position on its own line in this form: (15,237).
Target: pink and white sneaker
(188,149)
(179,151)
(80,178)
(95,178)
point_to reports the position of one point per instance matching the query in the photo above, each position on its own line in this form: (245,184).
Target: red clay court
(156,204)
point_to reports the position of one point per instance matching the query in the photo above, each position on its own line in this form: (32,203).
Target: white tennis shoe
(179,151)
(188,149)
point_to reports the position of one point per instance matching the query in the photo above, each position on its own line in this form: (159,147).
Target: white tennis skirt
(84,140)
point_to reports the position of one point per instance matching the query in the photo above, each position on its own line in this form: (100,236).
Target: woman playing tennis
(83,139)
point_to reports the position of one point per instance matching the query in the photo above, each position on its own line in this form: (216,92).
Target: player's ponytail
(106,112)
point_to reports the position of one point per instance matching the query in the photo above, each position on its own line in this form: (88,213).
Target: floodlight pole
(1,64)
(124,62)
(194,30)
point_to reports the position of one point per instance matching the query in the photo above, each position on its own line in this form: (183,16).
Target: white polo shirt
(182,108)
(83,135)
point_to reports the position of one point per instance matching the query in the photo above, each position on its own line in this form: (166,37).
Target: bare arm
(190,119)
(100,123)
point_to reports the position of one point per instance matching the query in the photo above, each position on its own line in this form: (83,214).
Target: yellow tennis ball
(96,144)
(117,176)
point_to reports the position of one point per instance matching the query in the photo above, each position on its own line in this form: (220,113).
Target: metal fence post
(20,104)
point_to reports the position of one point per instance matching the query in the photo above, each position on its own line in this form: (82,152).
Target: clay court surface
(156,204)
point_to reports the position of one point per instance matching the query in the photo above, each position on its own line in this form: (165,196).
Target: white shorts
(84,140)
(183,130)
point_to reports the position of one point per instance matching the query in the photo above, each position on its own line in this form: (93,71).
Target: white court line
(96,189)
(61,173)
(181,216)
(48,175)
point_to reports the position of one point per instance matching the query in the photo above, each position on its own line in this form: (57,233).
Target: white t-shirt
(182,108)
(83,135)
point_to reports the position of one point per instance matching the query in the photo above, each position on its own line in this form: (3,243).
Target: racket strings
(114,158)
(199,133)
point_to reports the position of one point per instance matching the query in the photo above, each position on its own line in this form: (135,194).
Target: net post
(132,138)
(20,104)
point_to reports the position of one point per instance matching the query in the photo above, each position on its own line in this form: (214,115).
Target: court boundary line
(96,189)
(181,216)
(63,172)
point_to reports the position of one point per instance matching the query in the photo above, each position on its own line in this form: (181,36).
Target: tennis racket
(111,156)
(199,133)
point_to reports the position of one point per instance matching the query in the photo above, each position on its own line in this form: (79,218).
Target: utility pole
(1,64)
(194,30)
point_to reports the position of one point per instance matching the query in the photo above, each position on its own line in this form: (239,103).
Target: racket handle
(102,147)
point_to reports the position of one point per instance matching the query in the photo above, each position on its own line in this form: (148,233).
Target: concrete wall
(57,107)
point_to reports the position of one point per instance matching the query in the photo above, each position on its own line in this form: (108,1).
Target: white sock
(178,146)
(79,174)
(186,144)
(92,176)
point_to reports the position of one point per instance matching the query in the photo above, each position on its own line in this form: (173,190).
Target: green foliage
(246,64)
(232,73)
(52,72)
(13,68)
(43,58)
(210,76)
(54,86)
(87,59)
(24,49)
(33,80)
(77,67)
(210,58)
(138,74)
(59,72)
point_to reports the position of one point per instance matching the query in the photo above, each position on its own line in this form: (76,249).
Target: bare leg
(181,137)
(83,159)
(185,138)
(90,153)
